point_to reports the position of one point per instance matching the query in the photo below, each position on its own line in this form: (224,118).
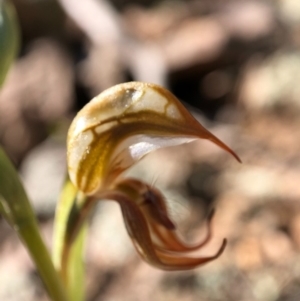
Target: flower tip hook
(235,156)
(221,144)
(222,248)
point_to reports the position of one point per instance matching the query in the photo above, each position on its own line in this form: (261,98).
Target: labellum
(112,132)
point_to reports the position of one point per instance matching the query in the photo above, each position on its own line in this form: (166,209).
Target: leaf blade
(16,209)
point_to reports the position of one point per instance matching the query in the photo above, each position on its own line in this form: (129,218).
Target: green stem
(68,251)
(30,235)
(75,268)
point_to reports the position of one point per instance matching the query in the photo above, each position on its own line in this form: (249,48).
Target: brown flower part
(151,230)
(111,133)
(120,126)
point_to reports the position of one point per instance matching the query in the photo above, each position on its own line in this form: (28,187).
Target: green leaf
(16,209)
(15,206)
(9,37)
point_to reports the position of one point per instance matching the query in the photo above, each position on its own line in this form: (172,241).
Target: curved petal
(148,198)
(172,262)
(139,231)
(123,124)
(136,226)
(167,240)
(152,204)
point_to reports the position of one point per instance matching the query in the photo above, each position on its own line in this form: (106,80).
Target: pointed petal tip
(221,144)
(235,156)
(222,248)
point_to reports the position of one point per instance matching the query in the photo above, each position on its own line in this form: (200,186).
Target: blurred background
(236,65)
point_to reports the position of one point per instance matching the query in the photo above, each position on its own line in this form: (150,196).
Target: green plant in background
(9,37)
(110,134)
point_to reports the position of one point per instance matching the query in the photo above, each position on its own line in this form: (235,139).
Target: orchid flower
(110,134)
